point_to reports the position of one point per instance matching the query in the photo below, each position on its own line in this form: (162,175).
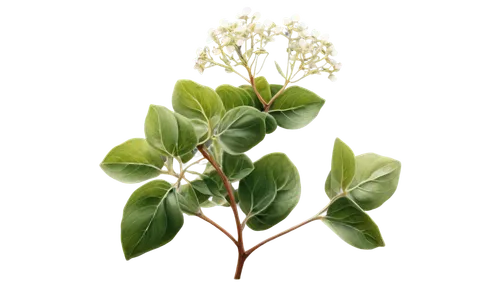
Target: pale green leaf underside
(375,180)
(196,101)
(168,132)
(133,161)
(151,218)
(352,224)
(342,169)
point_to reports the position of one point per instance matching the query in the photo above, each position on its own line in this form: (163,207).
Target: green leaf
(236,167)
(241,129)
(201,130)
(249,90)
(188,200)
(275,88)
(196,101)
(192,200)
(263,88)
(279,69)
(270,192)
(151,218)
(188,156)
(296,107)
(232,97)
(352,224)
(210,184)
(170,133)
(343,167)
(133,161)
(375,180)
(216,150)
(271,124)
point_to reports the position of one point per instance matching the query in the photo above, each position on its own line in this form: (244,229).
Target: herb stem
(268,106)
(205,218)
(285,231)
(240,244)
(252,82)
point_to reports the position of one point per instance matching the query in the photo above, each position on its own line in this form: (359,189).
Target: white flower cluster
(238,48)
(310,50)
(242,43)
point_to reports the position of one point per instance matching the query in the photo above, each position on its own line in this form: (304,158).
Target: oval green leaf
(263,88)
(343,168)
(232,96)
(271,124)
(201,130)
(375,180)
(192,200)
(236,167)
(241,129)
(196,101)
(270,192)
(249,90)
(296,107)
(185,158)
(352,224)
(170,133)
(133,161)
(151,218)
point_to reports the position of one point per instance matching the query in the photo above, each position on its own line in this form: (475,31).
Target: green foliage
(241,129)
(151,218)
(296,107)
(226,123)
(133,161)
(270,192)
(352,224)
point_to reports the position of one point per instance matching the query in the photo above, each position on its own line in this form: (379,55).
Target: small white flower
(224,23)
(302,43)
(338,66)
(256,15)
(246,11)
(241,29)
(225,41)
(315,33)
(324,37)
(259,28)
(277,30)
(331,51)
(268,23)
(216,51)
(198,68)
(332,77)
(240,42)
(229,49)
(287,21)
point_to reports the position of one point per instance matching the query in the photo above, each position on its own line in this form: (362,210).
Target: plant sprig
(221,125)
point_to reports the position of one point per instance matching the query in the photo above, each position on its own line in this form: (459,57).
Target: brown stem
(239,267)
(203,217)
(252,82)
(232,201)
(248,252)
(268,106)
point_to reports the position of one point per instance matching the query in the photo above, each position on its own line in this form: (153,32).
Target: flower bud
(302,43)
(338,66)
(229,49)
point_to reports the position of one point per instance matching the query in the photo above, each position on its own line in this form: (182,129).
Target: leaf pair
(356,184)
(295,108)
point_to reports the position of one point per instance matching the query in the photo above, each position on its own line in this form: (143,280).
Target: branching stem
(232,201)
(268,106)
